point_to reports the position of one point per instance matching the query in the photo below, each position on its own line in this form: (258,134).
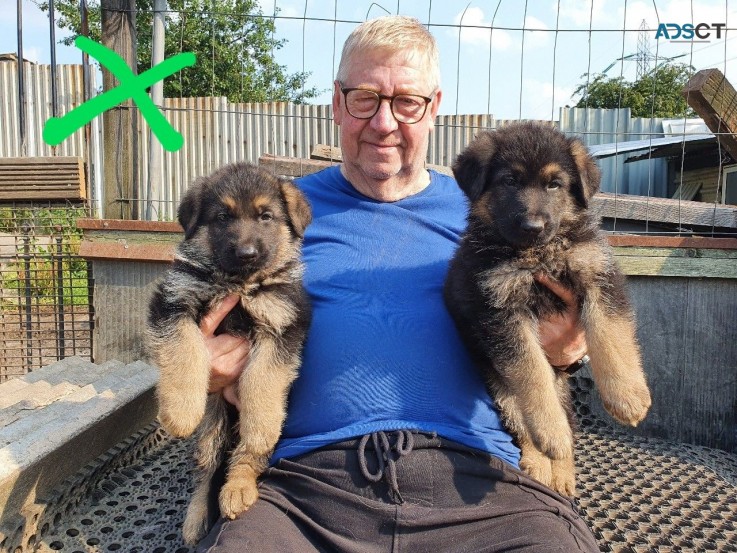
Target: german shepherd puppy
(243,231)
(530,188)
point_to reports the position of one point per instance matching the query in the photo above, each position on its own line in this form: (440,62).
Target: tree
(656,94)
(233,40)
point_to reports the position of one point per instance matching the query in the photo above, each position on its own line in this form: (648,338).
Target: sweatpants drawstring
(385,459)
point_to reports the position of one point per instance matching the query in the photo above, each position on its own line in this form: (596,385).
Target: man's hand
(561,336)
(228,354)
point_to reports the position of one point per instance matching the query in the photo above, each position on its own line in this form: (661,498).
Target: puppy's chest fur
(271,306)
(504,275)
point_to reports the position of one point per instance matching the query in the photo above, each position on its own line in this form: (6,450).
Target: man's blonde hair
(395,33)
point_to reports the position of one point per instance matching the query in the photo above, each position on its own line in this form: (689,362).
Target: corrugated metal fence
(45,287)
(610,126)
(38,109)
(217,131)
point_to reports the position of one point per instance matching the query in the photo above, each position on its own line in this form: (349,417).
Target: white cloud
(580,12)
(536,35)
(540,100)
(476,31)
(32,53)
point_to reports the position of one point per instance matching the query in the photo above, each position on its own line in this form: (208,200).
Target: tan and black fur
(530,188)
(243,233)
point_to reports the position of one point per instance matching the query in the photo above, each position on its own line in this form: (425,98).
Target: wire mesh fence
(611,73)
(500,61)
(46,293)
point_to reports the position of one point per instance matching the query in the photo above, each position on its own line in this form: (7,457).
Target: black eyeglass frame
(391,99)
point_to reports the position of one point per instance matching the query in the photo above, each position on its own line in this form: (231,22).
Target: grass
(37,271)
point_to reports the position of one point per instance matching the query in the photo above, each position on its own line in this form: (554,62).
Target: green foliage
(47,251)
(233,40)
(656,94)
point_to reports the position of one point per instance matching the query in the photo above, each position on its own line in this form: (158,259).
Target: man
(391,441)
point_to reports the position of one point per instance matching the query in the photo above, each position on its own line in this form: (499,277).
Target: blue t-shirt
(382,352)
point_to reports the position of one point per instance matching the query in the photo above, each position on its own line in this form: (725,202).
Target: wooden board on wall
(42,178)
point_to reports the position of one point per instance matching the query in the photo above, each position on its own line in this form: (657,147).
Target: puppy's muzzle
(247,253)
(532,227)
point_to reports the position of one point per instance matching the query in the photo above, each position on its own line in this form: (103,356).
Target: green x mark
(57,129)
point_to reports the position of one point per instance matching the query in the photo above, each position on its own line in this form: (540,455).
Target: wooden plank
(45,194)
(664,210)
(46,160)
(14,176)
(42,178)
(698,242)
(299,167)
(124,251)
(128,225)
(292,167)
(685,260)
(120,126)
(712,96)
(677,266)
(685,253)
(326,153)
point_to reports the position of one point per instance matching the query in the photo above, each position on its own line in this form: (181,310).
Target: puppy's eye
(510,180)
(554,184)
(222,216)
(266,216)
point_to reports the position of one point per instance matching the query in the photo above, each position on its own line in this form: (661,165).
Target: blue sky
(521,73)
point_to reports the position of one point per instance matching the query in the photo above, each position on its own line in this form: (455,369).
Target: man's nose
(383,120)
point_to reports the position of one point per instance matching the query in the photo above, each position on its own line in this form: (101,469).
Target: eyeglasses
(406,108)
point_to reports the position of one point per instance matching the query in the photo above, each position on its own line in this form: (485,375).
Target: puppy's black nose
(247,252)
(532,226)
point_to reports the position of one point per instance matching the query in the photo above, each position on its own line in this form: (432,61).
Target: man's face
(382,157)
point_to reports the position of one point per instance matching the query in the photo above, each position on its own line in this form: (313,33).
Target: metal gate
(46,309)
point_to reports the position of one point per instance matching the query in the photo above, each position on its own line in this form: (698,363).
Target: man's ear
(471,166)
(435,107)
(337,101)
(298,209)
(589,175)
(190,208)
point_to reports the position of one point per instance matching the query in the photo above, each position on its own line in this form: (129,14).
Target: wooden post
(120,124)
(714,99)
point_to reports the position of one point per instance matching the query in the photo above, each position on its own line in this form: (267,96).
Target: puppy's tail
(214,440)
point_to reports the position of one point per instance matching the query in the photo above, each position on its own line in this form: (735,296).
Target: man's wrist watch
(573,368)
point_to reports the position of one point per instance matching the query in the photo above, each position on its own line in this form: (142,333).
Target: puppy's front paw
(237,496)
(551,434)
(563,479)
(626,400)
(181,423)
(537,466)
(179,415)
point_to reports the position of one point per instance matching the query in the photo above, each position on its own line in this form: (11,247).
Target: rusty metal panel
(122,291)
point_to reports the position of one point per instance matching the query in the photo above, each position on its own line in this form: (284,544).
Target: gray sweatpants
(401,491)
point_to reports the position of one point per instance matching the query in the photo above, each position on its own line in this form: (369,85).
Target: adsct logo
(688,32)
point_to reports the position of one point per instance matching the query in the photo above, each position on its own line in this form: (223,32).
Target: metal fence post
(26,230)
(59,309)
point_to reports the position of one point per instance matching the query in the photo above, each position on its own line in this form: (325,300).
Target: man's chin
(383,170)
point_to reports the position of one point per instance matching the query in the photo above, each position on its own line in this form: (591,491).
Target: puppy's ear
(470,167)
(190,209)
(300,214)
(589,175)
